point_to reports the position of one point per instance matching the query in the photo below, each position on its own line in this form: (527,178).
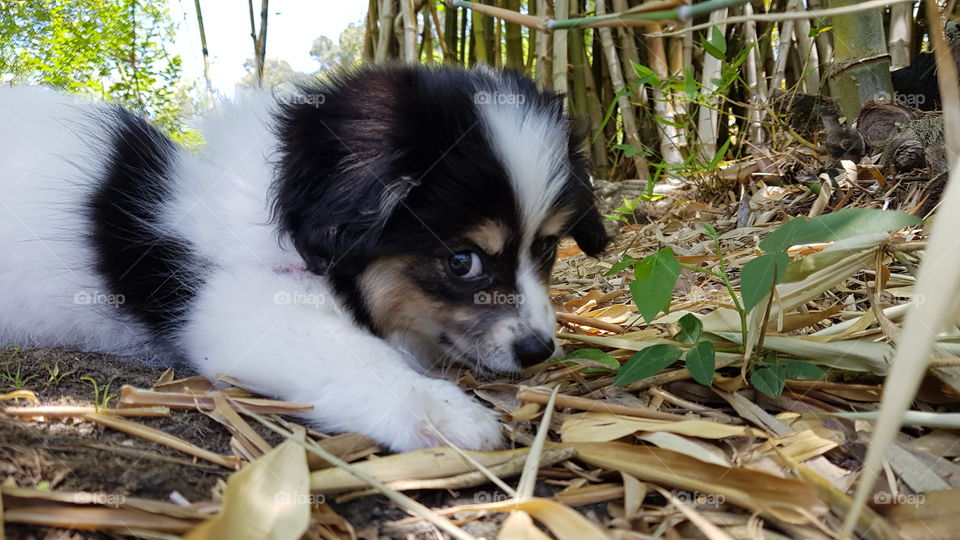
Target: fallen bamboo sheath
(130,396)
(593,405)
(159,437)
(589,321)
(79,412)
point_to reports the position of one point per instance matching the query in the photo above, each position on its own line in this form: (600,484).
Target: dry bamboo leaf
(92,518)
(928,515)
(196,384)
(19,394)
(938,442)
(800,446)
(564,522)
(429,463)
(59,411)
(790,500)
(192,512)
(709,530)
(519,526)
(267,499)
(599,427)
(585,404)
(634,492)
(157,436)
(870,524)
(226,415)
(476,477)
(589,494)
(326,524)
(347,446)
(130,396)
(686,446)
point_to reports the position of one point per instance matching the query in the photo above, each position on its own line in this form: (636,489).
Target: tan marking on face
(394,300)
(553,225)
(490,236)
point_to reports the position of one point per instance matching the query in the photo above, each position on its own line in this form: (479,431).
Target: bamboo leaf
(690,329)
(769,380)
(829,227)
(759,276)
(701,361)
(656,277)
(647,363)
(797,369)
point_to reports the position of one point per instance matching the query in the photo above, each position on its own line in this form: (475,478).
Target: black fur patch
(154,271)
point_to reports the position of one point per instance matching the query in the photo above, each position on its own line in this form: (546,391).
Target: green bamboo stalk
(480,37)
(450,33)
(514,39)
(861,66)
(681,13)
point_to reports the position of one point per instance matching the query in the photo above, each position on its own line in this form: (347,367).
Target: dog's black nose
(533,349)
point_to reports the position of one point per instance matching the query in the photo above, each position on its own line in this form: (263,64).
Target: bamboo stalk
(670,138)
(449,33)
(630,132)
(709,117)
(561,11)
(783,51)
(371,32)
(544,59)
(901,30)
(809,57)
(755,82)
(386,30)
(410,55)
(514,39)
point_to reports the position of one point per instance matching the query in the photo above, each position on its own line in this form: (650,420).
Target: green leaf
(628,149)
(758,275)
(656,277)
(716,46)
(596,355)
(646,75)
(711,232)
(701,361)
(621,265)
(829,227)
(769,380)
(646,363)
(798,369)
(690,329)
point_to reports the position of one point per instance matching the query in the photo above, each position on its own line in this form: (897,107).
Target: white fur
(533,149)
(283,334)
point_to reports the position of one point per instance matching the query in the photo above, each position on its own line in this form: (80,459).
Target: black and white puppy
(333,245)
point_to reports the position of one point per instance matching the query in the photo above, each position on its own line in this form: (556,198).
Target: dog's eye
(545,246)
(465,264)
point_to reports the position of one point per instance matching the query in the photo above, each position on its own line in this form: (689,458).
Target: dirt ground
(72,455)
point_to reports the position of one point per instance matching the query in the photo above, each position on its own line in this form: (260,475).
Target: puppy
(333,245)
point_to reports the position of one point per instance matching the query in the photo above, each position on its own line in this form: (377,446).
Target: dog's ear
(589,232)
(334,188)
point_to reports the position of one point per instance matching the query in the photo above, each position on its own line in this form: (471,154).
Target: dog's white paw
(442,406)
